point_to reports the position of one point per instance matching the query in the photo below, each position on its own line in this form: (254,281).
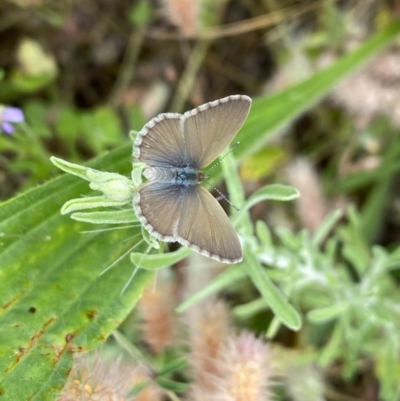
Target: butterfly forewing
(211,127)
(160,143)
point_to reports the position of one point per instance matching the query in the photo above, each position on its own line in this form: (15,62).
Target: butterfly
(172,205)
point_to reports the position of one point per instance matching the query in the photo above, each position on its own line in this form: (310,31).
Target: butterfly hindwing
(204,226)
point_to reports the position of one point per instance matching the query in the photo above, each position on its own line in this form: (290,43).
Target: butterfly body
(185,176)
(172,205)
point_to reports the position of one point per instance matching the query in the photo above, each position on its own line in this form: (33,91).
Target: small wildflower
(8,116)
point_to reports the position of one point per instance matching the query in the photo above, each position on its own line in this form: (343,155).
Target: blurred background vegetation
(85,73)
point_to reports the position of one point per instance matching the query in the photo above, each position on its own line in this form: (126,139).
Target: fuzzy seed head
(245,370)
(94,379)
(157,313)
(209,330)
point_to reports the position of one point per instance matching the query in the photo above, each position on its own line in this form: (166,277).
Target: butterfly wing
(189,215)
(195,138)
(160,143)
(157,206)
(204,227)
(211,127)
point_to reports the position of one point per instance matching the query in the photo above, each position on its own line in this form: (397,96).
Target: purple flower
(9,115)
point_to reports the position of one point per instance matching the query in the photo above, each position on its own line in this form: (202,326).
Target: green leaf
(236,193)
(71,168)
(141,13)
(233,182)
(159,260)
(172,385)
(323,315)
(333,349)
(273,327)
(272,296)
(107,217)
(225,279)
(173,366)
(326,226)
(288,238)
(355,248)
(53,300)
(393,260)
(137,388)
(250,309)
(374,209)
(91,202)
(270,192)
(263,233)
(277,192)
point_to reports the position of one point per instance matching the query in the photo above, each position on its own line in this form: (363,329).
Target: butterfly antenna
(224,197)
(223,157)
(216,164)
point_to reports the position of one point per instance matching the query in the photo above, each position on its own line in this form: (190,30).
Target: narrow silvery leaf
(90,202)
(224,280)
(263,233)
(156,261)
(71,168)
(325,228)
(151,241)
(275,192)
(107,217)
(273,297)
(250,309)
(172,366)
(273,328)
(323,315)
